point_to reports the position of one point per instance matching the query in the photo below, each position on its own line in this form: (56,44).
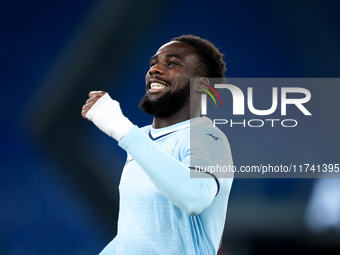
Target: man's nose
(156,69)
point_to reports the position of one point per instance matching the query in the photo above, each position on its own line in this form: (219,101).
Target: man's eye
(152,64)
(172,64)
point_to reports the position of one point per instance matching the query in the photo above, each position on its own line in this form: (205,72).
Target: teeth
(156,85)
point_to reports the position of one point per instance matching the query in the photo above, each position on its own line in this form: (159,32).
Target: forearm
(169,175)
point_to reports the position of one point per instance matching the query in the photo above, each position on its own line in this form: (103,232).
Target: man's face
(168,79)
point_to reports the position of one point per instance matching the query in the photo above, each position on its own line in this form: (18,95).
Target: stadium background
(59,174)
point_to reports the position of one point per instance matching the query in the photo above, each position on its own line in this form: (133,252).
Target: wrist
(108,117)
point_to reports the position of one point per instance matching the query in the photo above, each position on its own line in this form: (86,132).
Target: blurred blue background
(59,174)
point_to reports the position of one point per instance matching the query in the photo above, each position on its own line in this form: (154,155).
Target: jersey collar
(156,133)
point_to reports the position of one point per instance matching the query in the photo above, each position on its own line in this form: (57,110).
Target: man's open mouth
(157,85)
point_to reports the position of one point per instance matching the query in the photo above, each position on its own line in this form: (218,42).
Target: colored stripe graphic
(207,91)
(213,90)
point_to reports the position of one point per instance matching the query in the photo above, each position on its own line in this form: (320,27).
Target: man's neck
(159,122)
(180,116)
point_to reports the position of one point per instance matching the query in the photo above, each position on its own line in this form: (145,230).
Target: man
(162,210)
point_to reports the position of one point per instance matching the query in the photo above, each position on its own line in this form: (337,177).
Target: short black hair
(211,59)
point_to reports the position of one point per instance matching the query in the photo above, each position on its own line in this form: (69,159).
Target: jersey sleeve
(169,175)
(210,153)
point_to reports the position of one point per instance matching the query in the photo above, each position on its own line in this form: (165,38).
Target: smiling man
(162,210)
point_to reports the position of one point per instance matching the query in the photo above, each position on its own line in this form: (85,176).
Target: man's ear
(200,84)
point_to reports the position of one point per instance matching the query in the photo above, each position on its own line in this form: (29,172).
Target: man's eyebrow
(153,57)
(180,57)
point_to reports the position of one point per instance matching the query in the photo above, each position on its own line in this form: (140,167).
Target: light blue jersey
(162,210)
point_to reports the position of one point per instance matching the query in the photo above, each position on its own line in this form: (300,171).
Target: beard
(167,104)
